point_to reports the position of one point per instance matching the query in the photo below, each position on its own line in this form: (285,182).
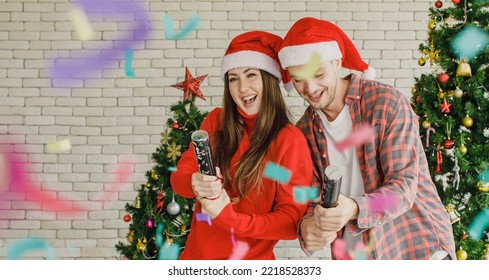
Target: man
(391,169)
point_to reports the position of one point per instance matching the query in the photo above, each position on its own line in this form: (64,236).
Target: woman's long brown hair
(272,116)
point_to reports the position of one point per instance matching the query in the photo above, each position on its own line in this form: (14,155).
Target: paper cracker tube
(202,148)
(331,186)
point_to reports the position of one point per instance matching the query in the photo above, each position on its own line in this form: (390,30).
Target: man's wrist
(355,209)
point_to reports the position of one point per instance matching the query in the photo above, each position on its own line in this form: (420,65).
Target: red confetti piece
(363,134)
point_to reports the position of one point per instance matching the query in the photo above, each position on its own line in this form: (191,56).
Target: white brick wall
(109,116)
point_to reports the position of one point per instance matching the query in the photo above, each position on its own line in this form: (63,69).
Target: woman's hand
(206,186)
(214,207)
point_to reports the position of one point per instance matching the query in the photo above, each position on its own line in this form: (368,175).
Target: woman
(251,129)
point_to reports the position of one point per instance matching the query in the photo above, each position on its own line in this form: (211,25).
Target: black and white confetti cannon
(331,186)
(201,143)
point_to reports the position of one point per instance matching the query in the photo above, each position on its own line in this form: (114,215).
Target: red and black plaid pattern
(393,164)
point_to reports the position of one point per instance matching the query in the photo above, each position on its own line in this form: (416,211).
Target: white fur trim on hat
(369,74)
(300,54)
(250,59)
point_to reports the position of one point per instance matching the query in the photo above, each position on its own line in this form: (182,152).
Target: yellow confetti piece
(308,71)
(59,146)
(82,25)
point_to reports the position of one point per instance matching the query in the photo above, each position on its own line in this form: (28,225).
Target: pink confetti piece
(479,225)
(363,134)
(239,251)
(122,175)
(303,194)
(233,240)
(382,203)
(338,249)
(15,173)
(202,217)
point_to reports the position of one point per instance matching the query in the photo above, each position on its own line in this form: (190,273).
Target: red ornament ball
(455,2)
(438,4)
(418,99)
(443,78)
(175,125)
(127,218)
(448,144)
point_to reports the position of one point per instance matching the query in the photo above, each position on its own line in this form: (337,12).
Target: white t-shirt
(347,160)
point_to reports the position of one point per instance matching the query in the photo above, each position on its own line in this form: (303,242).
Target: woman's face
(246,88)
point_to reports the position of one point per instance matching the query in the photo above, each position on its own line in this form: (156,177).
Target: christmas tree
(160,219)
(453,104)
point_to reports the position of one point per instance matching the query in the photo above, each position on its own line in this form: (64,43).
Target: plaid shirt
(393,165)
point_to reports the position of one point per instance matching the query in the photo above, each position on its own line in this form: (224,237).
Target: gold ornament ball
(421,62)
(148,185)
(441,94)
(432,24)
(458,93)
(462,255)
(154,175)
(462,149)
(413,90)
(483,187)
(467,121)
(426,124)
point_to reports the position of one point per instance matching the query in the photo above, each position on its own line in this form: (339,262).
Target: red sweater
(259,220)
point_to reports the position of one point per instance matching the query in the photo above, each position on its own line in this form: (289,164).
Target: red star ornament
(191,85)
(445,107)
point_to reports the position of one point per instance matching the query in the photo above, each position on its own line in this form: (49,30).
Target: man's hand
(314,238)
(334,219)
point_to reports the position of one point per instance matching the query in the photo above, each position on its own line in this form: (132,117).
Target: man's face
(320,91)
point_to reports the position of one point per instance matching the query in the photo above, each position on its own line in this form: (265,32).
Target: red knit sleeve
(281,222)
(181,180)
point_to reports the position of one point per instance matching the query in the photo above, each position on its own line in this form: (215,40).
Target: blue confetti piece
(169,252)
(159,236)
(469,42)
(484,176)
(172,169)
(479,225)
(128,63)
(189,27)
(276,172)
(20,247)
(303,194)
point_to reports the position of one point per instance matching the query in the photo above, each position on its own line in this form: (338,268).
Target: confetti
(479,225)
(363,134)
(201,217)
(4,178)
(360,252)
(189,27)
(276,172)
(233,240)
(169,252)
(159,236)
(128,63)
(79,68)
(484,176)
(469,42)
(82,24)
(172,169)
(20,247)
(382,203)
(338,250)
(303,194)
(59,146)
(309,70)
(239,250)
(122,175)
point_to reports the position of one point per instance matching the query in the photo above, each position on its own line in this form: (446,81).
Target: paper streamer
(189,27)
(363,134)
(20,247)
(82,24)
(201,217)
(276,172)
(469,42)
(480,223)
(338,250)
(128,63)
(81,68)
(59,146)
(303,194)
(309,70)
(239,250)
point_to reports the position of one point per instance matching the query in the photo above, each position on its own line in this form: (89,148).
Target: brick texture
(109,116)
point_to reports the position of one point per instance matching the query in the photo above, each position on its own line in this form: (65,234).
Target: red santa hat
(311,35)
(257,49)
